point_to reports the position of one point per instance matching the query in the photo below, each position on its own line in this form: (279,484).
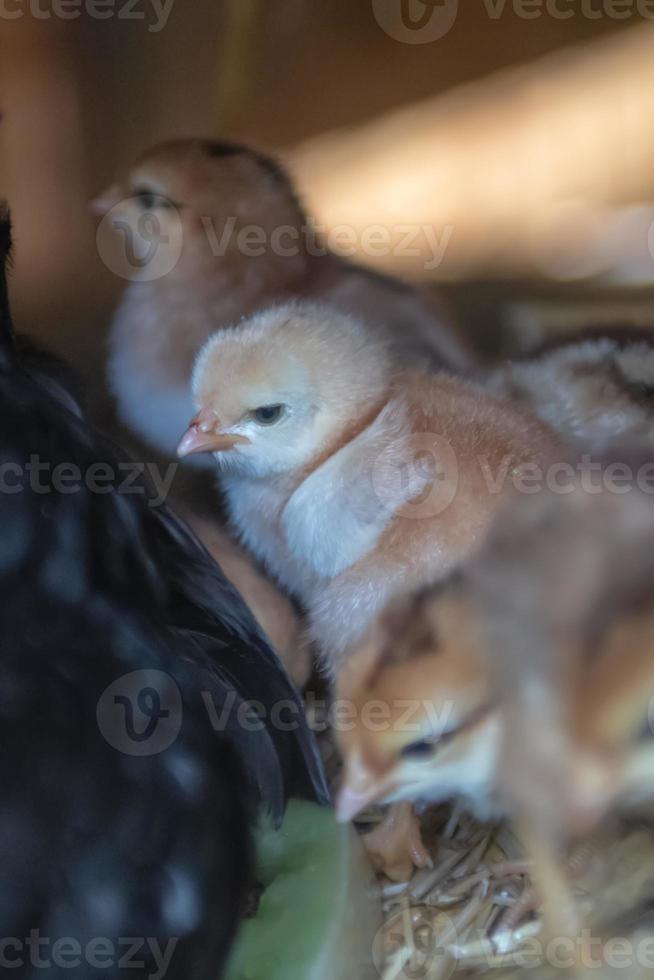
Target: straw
(480,911)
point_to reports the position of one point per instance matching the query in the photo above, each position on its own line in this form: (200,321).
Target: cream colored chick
(244,242)
(351,483)
(593,387)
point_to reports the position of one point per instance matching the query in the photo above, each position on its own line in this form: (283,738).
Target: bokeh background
(522,137)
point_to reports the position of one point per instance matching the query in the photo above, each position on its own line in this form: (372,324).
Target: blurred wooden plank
(236,77)
(504,174)
(506,317)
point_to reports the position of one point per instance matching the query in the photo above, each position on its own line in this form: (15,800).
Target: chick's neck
(344,435)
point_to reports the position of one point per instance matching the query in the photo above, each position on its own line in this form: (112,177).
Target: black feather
(7,352)
(98,841)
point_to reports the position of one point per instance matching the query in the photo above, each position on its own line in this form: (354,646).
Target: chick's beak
(105,201)
(204,436)
(356,795)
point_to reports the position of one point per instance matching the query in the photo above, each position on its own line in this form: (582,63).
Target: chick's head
(283,387)
(423,727)
(212,199)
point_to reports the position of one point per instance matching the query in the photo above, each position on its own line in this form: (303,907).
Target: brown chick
(564,594)
(423,726)
(593,387)
(350,482)
(525,684)
(240,241)
(564,591)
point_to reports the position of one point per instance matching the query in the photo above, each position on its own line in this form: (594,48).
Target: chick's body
(367,483)
(591,388)
(441,444)
(548,629)
(423,660)
(244,243)
(530,672)
(564,595)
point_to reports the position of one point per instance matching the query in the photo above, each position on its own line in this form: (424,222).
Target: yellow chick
(350,482)
(217,232)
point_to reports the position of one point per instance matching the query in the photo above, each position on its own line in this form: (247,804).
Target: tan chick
(564,594)
(350,482)
(420,723)
(244,242)
(529,675)
(593,387)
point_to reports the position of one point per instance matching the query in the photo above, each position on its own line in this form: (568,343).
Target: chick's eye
(419,750)
(150,201)
(429,746)
(268,414)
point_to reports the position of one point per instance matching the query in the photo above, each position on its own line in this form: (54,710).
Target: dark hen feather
(128,798)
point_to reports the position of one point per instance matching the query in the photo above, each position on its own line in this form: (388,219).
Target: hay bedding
(473,914)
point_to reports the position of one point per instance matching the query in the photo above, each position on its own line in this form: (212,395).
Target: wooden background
(353,110)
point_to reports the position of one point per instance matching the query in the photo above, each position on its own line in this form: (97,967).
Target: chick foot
(396,847)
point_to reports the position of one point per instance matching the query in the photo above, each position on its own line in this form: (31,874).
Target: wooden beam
(517,174)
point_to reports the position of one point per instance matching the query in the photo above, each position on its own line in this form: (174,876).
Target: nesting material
(476,912)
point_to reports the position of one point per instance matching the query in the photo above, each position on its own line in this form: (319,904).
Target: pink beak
(351,802)
(204,436)
(105,201)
